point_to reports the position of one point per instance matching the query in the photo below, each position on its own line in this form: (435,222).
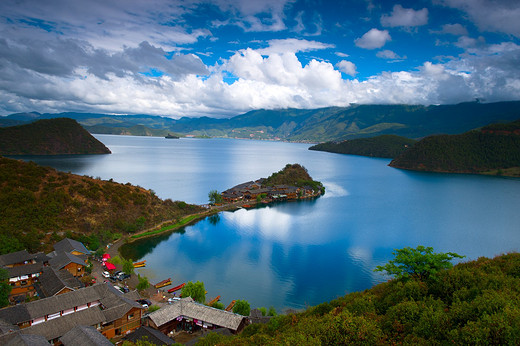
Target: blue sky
(225,57)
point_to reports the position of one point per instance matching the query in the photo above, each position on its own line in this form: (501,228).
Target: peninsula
(60,136)
(291,183)
(494,149)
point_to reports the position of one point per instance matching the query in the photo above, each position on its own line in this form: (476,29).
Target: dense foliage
(49,137)
(242,307)
(419,263)
(39,206)
(381,146)
(194,290)
(474,303)
(472,152)
(5,288)
(293,175)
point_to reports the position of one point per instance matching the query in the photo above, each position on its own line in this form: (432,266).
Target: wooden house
(84,335)
(67,261)
(71,246)
(100,306)
(187,314)
(53,282)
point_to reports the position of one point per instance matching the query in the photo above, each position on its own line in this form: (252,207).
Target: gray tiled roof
(153,335)
(52,281)
(15,257)
(26,269)
(64,258)
(84,336)
(69,245)
(18,339)
(189,308)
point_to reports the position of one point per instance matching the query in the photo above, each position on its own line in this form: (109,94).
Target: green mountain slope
(49,137)
(388,146)
(317,125)
(474,303)
(38,204)
(495,149)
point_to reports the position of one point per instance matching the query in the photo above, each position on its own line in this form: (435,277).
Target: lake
(296,254)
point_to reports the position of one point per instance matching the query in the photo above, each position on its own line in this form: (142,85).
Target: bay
(297,254)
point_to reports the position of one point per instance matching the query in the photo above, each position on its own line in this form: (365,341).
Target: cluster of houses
(65,312)
(251,190)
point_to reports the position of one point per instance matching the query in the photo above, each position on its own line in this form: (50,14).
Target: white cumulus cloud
(347,67)
(406,17)
(373,39)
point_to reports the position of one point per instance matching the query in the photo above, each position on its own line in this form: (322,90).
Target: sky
(221,58)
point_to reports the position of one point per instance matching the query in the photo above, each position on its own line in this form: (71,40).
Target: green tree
(5,288)
(143,283)
(242,307)
(272,311)
(218,305)
(419,263)
(214,197)
(195,290)
(128,266)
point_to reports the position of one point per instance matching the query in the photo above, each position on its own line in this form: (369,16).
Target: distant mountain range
(311,125)
(49,137)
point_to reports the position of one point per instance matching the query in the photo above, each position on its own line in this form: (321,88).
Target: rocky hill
(495,149)
(39,205)
(388,146)
(49,137)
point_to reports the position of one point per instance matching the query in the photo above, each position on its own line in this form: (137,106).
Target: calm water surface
(301,253)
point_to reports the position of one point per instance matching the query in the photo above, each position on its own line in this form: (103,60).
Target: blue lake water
(297,254)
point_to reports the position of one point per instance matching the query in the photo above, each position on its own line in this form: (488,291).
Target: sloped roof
(188,308)
(84,336)
(26,269)
(69,245)
(17,339)
(104,292)
(64,258)
(15,257)
(153,335)
(52,281)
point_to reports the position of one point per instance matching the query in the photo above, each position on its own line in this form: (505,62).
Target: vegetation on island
(388,146)
(40,205)
(473,303)
(494,149)
(49,137)
(293,175)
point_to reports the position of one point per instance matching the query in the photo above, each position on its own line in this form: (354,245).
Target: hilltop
(49,137)
(471,304)
(38,204)
(494,149)
(310,125)
(388,146)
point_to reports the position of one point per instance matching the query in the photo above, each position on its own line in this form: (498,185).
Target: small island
(291,183)
(170,136)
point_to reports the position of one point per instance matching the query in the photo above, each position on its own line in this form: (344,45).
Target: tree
(5,288)
(218,305)
(272,311)
(419,263)
(195,290)
(143,283)
(128,266)
(214,197)
(242,308)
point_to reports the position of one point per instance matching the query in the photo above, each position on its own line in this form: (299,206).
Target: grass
(178,224)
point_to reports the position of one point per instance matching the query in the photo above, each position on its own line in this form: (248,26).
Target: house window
(118,331)
(23,282)
(130,316)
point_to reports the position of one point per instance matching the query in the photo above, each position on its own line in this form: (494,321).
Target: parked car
(123,276)
(106,274)
(144,302)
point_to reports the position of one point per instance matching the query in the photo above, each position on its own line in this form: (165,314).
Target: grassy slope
(381,146)
(37,203)
(49,137)
(491,149)
(473,303)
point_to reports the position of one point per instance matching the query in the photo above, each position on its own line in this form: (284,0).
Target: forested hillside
(474,303)
(312,125)
(49,137)
(495,149)
(39,205)
(388,146)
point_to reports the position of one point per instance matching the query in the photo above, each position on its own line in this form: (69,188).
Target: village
(51,304)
